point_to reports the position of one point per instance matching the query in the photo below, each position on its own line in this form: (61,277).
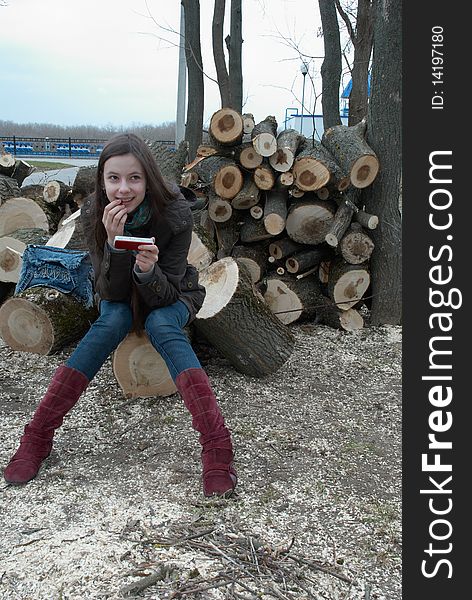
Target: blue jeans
(164,327)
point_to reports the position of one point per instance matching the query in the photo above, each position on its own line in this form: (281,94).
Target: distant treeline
(164,131)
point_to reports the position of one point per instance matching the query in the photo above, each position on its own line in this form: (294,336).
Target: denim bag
(69,271)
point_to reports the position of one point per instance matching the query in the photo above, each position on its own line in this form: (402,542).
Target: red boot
(36,443)
(219,475)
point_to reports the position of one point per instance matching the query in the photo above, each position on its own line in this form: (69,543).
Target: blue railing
(62,147)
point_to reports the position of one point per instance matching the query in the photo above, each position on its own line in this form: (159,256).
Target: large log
(352,153)
(140,370)
(43,320)
(21,213)
(264,136)
(309,221)
(288,143)
(236,320)
(33,191)
(226,127)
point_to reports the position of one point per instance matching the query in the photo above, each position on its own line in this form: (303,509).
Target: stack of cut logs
(279,236)
(289,208)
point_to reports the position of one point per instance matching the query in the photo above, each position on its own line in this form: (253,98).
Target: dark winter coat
(172,278)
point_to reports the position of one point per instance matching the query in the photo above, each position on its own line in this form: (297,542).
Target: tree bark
(384,135)
(218,53)
(331,67)
(193,55)
(235,56)
(8,188)
(362,39)
(84,184)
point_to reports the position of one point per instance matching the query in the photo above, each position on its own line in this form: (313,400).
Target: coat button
(190,284)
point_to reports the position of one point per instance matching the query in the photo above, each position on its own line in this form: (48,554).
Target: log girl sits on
(153,289)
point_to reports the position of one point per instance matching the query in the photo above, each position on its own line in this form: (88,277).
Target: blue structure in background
(312,125)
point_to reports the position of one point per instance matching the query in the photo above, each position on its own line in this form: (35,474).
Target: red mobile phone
(125,242)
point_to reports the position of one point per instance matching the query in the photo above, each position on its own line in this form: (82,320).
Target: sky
(115,62)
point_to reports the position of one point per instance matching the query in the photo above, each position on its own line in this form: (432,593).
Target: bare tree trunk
(218,53)
(332,65)
(193,54)
(384,135)
(235,60)
(362,39)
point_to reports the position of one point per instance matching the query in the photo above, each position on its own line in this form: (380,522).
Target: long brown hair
(158,192)
(156,188)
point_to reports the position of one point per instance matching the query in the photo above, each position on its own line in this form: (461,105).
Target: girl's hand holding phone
(147,257)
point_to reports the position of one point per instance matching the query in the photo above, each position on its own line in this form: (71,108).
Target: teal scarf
(138,217)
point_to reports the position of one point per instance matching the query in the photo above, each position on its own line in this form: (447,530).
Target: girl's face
(125,180)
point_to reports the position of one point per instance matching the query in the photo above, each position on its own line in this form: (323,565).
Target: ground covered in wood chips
(117,510)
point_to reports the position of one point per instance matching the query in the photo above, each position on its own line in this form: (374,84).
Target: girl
(153,289)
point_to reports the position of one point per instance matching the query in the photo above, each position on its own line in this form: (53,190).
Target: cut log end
(282,160)
(364,171)
(283,302)
(226,126)
(26,327)
(228,181)
(265,144)
(140,370)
